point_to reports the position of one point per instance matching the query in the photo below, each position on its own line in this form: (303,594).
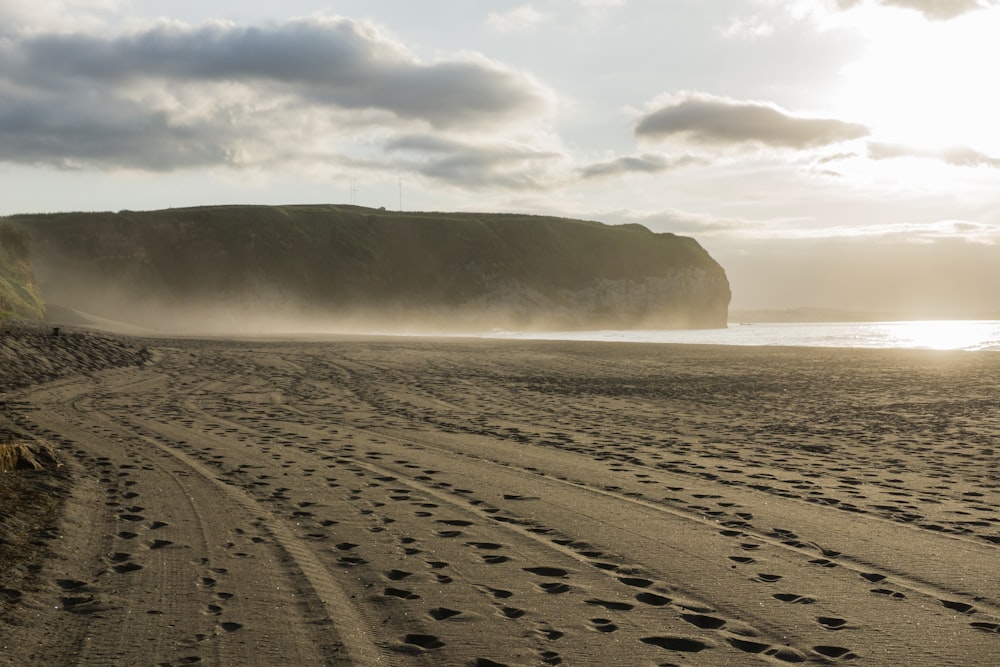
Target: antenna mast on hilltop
(400,193)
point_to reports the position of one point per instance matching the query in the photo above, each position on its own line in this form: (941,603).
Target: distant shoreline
(803,315)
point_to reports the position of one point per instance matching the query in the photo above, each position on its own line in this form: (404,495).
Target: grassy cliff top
(18,298)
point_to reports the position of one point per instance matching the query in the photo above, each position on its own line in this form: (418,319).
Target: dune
(404,501)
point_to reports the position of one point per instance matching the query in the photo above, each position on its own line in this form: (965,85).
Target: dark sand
(408,502)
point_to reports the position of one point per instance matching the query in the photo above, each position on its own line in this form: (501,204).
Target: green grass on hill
(18,298)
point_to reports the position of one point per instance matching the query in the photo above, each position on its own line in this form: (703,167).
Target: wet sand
(464,502)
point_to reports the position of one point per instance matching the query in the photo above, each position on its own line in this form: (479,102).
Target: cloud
(709,120)
(495,165)
(649,163)
(938,10)
(958,156)
(20,16)
(678,221)
(174,95)
(519,19)
(748,28)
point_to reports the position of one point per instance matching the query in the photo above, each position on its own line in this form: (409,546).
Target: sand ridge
(408,502)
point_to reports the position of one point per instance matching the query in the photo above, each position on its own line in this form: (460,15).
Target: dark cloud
(471,165)
(649,163)
(81,98)
(710,120)
(959,156)
(938,10)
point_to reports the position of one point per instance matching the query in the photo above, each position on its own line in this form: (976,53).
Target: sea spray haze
(260,268)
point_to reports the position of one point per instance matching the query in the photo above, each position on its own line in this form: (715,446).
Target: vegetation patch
(27,456)
(18,297)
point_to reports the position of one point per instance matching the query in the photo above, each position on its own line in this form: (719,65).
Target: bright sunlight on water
(971,335)
(937,334)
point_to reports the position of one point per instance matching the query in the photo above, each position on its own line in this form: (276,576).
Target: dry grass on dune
(27,456)
(33,489)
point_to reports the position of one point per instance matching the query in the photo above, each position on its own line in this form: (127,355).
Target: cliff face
(466,270)
(18,297)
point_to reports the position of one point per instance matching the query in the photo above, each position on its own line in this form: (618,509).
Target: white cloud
(519,19)
(937,10)
(957,156)
(748,27)
(33,16)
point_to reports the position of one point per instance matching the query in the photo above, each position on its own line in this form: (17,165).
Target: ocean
(970,335)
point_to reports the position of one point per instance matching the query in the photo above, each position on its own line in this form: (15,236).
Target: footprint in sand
(704,622)
(428,642)
(603,625)
(986,627)
(794,599)
(684,644)
(836,652)
(495,560)
(554,587)
(401,593)
(653,599)
(547,571)
(550,658)
(550,633)
(499,593)
(960,607)
(125,568)
(443,613)
(613,606)
(747,646)
(10,594)
(896,595)
(636,582)
(831,623)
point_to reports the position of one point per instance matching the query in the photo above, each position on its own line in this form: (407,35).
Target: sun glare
(928,83)
(936,334)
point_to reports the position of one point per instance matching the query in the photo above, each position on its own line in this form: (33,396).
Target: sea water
(971,335)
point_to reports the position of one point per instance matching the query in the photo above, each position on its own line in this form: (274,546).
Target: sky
(828,153)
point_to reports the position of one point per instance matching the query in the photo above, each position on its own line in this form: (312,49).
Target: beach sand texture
(397,501)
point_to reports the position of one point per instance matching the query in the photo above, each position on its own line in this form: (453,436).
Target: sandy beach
(401,501)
